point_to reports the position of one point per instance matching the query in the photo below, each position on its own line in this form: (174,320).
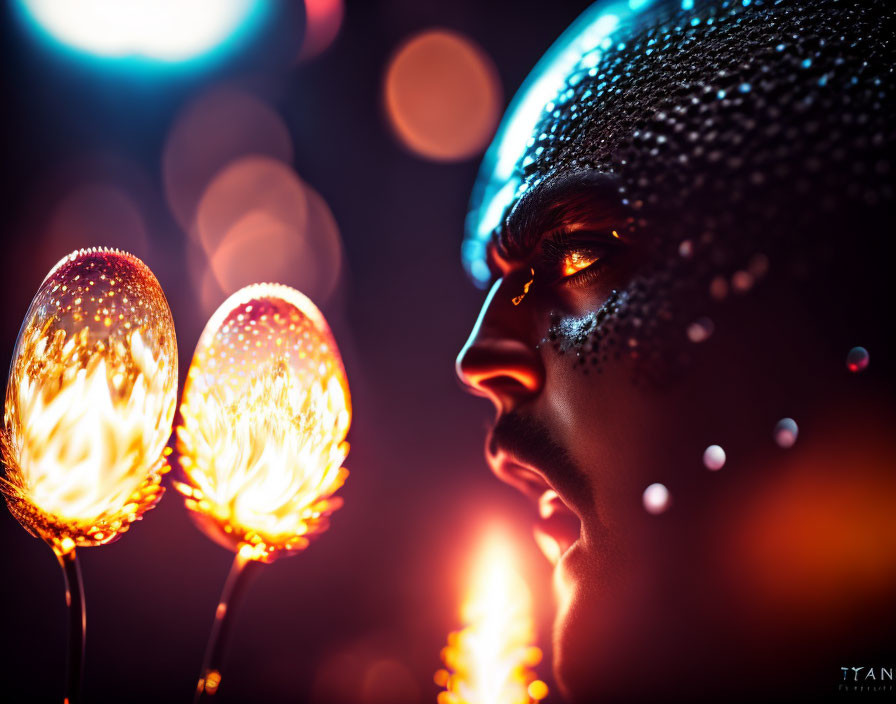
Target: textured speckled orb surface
(735,133)
(264,416)
(90,400)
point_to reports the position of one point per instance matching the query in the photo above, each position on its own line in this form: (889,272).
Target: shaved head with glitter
(732,133)
(683,223)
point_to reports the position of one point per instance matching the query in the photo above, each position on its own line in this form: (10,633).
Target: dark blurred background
(381,140)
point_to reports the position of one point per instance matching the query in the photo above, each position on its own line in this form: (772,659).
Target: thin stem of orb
(77,624)
(241,573)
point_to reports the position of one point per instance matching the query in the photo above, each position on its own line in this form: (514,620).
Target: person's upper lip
(559,525)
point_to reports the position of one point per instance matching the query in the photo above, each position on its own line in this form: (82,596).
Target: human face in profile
(642,308)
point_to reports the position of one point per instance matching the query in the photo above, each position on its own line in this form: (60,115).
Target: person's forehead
(502,178)
(645,95)
(567,201)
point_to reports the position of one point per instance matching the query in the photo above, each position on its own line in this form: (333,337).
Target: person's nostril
(500,369)
(507,384)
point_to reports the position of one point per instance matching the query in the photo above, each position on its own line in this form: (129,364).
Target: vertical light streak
(490,660)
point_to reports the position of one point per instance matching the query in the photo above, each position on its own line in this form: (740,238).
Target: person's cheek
(590,398)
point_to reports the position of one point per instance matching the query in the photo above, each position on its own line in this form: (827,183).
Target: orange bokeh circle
(245,185)
(442,96)
(258,221)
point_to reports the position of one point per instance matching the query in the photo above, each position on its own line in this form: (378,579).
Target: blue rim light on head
(148,33)
(499,183)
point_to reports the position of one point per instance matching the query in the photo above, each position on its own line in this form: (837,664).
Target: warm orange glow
(90,400)
(212,680)
(264,416)
(576,261)
(490,661)
(526,286)
(538,690)
(442,96)
(821,526)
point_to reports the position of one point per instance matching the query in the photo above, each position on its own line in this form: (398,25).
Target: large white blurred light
(164,30)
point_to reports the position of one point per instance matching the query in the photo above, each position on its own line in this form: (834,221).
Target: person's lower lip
(551,547)
(558,527)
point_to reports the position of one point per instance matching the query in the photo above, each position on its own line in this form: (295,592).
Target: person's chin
(586,627)
(622,635)
(603,648)
(569,585)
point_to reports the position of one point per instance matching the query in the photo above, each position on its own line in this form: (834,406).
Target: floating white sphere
(655,499)
(714,457)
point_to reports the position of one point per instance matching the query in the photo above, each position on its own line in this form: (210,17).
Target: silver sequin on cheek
(588,339)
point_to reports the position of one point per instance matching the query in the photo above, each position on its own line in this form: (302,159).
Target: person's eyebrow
(588,197)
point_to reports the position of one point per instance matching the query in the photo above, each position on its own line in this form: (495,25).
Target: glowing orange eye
(576,261)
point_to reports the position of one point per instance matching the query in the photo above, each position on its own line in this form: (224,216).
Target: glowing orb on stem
(90,400)
(265,412)
(490,660)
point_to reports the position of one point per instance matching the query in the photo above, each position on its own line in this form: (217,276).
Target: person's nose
(497,360)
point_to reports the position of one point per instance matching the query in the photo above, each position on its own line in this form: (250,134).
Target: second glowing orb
(264,415)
